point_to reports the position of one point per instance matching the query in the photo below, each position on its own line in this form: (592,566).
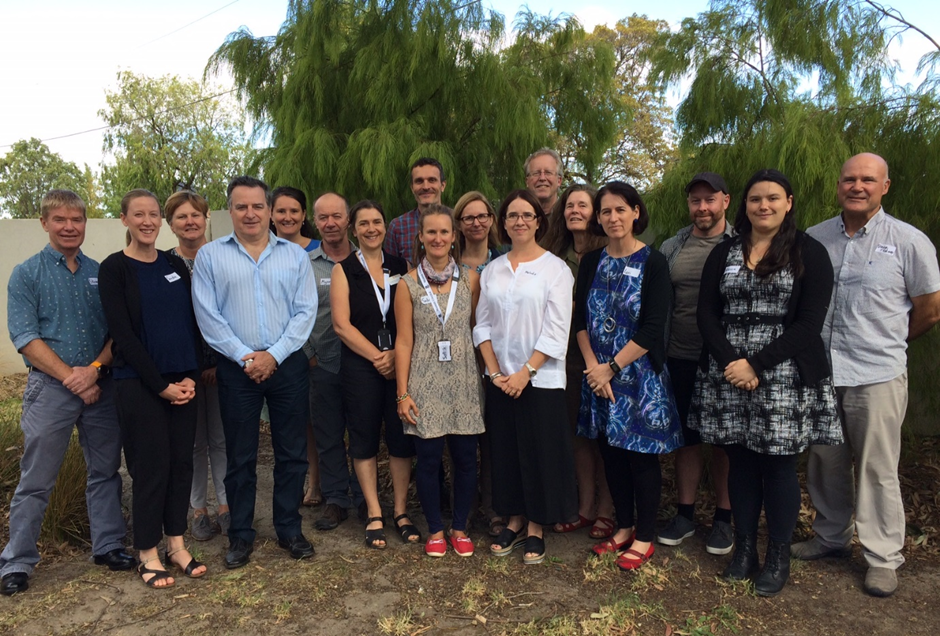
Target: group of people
(544,337)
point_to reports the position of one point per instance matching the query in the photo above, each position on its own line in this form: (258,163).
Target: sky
(60,56)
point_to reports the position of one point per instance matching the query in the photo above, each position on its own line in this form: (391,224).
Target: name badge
(425,300)
(393,280)
(325,281)
(172,277)
(885,249)
(93,282)
(443,351)
(631,271)
(732,269)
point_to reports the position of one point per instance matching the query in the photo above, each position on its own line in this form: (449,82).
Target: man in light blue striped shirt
(256,302)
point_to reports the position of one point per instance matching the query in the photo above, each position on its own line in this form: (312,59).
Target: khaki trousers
(871,419)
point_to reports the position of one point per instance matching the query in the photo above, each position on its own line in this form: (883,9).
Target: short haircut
(427,161)
(543,152)
(335,194)
(248,182)
(138,193)
(177,199)
(365,204)
(55,199)
(529,198)
(629,194)
(431,210)
(306,227)
(492,238)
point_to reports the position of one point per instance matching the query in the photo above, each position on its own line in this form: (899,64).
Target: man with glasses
(543,172)
(427,184)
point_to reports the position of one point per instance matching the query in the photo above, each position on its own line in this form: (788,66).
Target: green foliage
(169,134)
(352,92)
(29,170)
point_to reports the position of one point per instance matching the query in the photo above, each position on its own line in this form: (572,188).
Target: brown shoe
(332,516)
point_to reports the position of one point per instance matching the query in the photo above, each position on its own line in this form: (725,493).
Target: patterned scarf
(438,278)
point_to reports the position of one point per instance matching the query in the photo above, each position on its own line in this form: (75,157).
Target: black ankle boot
(744,563)
(776,570)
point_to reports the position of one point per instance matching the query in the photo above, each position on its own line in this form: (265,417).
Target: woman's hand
(179,393)
(598,378)
(512,385)
(384,363)
(408,411)
(741,374)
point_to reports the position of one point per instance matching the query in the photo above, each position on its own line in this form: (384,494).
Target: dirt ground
(350,589)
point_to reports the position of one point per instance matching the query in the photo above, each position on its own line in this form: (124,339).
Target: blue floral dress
(643,418)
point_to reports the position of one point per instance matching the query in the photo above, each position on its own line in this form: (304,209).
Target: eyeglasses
(477,218)
(528,217)
(539,174)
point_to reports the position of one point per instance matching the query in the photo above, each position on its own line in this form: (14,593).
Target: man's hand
(91,395)
(262,366)
(81,379)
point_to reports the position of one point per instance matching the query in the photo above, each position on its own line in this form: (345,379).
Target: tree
(169,134)
(352,91)
(28,171)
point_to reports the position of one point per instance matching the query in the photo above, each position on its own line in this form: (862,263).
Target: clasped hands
(179,393)
(598,379)
(259,366)
(83,382)
(741,374)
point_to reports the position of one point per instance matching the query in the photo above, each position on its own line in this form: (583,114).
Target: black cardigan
(120,299)
(806,312)
(655,301)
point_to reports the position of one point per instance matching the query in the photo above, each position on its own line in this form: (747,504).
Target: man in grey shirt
(331,216)
(886,293)
(686,252)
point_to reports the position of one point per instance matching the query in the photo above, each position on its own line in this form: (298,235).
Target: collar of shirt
(320,254)
(58,257)
(872,224)
(272,241)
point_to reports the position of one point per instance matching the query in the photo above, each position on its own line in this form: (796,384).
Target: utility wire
(166,35)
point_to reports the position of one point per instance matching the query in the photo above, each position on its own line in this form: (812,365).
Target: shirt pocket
(881,281)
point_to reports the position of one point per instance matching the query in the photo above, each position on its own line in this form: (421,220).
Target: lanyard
(450,301)
(384,303)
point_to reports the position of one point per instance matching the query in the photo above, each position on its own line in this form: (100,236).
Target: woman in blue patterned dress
(764,389)
(622,304)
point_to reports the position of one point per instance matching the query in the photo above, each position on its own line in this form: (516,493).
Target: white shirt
(524,311)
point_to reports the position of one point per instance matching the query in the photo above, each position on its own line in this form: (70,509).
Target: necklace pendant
(610,324)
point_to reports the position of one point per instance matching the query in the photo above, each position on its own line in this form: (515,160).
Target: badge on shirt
(393,280)
(885,249)
(93,282)
(443,351)
(425,300)
(172,277)
(633,272)
(325,282)
(732,269)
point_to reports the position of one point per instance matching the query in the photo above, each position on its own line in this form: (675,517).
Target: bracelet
(616,368)
(401,398)
(498,374)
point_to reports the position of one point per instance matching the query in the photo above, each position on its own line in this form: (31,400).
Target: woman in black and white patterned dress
(764,389)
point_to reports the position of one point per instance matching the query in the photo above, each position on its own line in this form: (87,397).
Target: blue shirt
(47,301)
(244,306)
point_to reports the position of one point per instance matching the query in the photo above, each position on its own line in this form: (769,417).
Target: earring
(451,246)
(422,247)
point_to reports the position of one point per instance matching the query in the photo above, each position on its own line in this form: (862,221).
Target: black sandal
(158,575)
(534,545)
(507,541)
(408,532)
(378,534)
(190,567)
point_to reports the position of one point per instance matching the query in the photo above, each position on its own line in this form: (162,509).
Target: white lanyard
(450,301)
(384,303)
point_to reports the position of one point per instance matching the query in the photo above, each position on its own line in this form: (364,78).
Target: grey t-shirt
(685,342)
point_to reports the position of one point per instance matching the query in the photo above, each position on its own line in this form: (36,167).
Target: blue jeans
(329,429)
(50,412)
(241,401)
(463,454)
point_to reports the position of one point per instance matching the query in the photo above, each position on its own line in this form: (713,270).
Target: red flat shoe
(435,547)
(631,559)
(463,546)
(612,546)
(603,527)
(582,522)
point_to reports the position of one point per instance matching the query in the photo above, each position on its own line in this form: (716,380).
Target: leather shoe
(14,582)
(298,547)
(238,552)
(116,560)
(333,515)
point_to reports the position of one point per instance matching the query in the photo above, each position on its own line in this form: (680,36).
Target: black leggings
(756,479)
(633,478)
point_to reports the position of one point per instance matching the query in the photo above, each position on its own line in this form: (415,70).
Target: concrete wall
(21,238)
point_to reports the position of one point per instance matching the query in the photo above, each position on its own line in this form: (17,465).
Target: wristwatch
(532,370)
(614,366)
(101,369)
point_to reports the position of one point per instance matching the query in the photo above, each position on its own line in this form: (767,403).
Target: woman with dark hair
(147,302)
(362,294)
(439,392)
(764,388)
(523,320)
(569,237)
(476,230)
(187,214)
(289,221)
(626,397)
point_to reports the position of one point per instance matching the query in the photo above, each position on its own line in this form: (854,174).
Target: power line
(166,35)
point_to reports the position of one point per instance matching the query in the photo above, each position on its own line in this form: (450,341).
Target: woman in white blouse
(523,319)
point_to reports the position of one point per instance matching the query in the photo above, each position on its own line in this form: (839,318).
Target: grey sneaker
(203,529)
(881,581)
(720,539)
(225,520)
(813,549)
(676,530)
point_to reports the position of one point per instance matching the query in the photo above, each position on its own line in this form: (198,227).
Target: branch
(894,14)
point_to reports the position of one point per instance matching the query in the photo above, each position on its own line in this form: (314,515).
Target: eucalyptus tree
(350,92)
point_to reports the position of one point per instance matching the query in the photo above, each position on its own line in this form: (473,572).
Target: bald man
(886,293)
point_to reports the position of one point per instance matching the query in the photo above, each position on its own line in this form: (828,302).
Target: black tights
(633,478)
(756,479)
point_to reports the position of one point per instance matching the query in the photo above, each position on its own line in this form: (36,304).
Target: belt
(751,319)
